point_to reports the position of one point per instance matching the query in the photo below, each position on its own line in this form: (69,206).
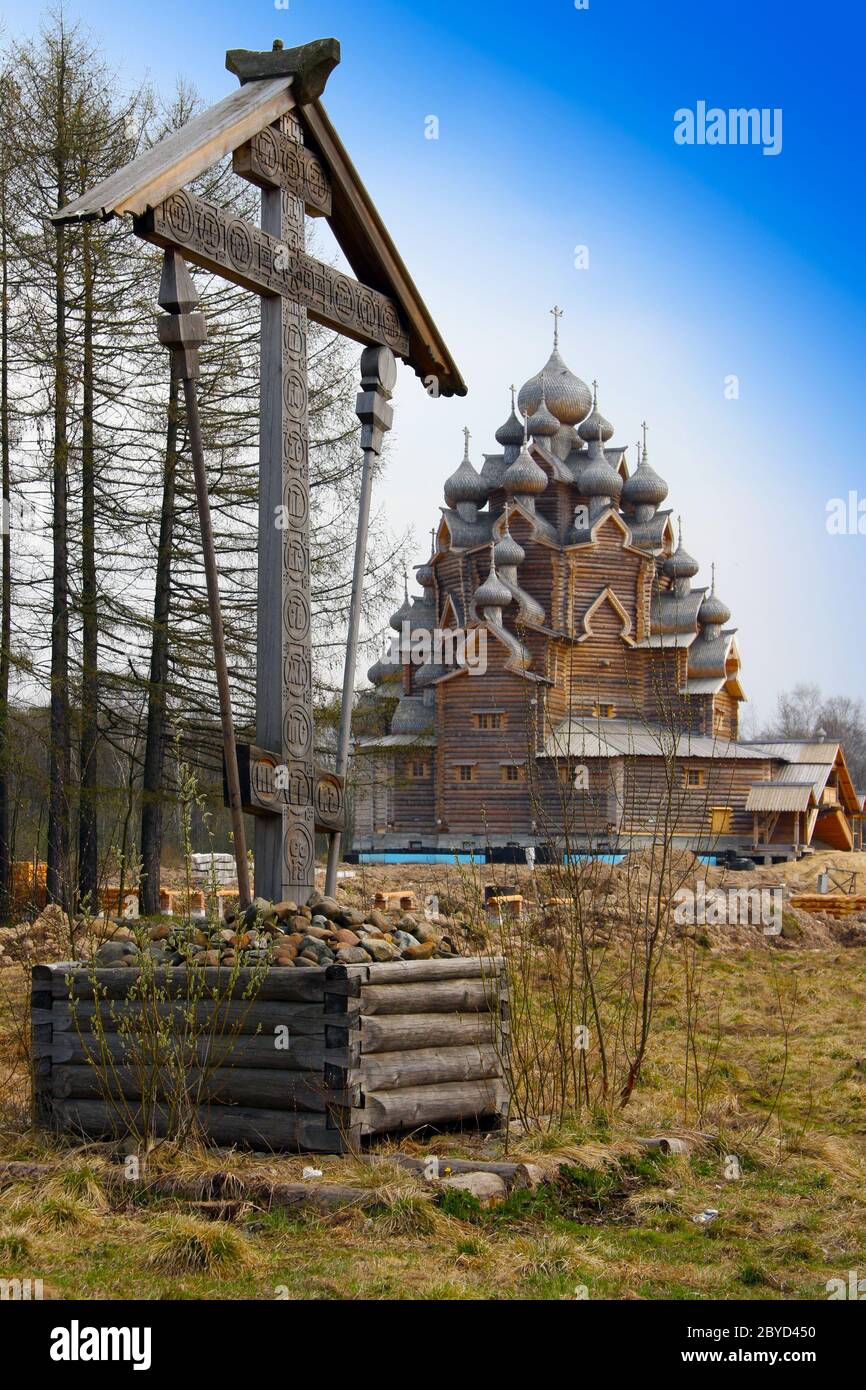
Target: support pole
(378,375)
(183,332)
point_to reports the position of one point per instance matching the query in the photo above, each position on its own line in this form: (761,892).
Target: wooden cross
(263,126)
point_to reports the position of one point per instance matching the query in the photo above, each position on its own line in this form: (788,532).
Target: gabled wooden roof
(272,84)
(183,155)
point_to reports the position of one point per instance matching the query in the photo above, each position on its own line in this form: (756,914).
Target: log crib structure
(319,1060)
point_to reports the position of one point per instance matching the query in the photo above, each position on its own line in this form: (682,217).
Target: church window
(694,777)
(489,719)
(465,772)
(513,772)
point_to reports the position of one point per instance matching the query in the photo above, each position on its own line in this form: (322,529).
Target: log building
(559,683)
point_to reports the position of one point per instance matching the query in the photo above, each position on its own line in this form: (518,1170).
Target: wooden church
(560,683)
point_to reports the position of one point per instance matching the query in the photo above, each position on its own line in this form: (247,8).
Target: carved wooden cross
(264,126)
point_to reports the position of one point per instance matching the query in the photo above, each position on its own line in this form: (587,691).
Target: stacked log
(317,1059)
(431,1039)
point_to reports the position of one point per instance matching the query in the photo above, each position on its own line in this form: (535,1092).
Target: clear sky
(556,130)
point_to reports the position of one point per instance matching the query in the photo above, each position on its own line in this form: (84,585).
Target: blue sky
(555,131)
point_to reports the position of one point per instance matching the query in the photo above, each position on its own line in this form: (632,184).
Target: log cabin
(560,685)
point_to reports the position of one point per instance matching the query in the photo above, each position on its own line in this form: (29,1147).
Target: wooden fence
(319,1060)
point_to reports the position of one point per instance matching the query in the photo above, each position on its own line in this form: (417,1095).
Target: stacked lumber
(836,905)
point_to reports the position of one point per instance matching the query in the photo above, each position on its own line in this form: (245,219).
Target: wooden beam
(229,246)
(374,258)
(260,795)
(273,160)
(185,154)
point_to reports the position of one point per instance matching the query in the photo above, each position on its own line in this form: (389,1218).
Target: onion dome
(492,593)
(713,612)
(495,465)
(644,488)
(599,478)
(543,425)
(404,612)
(425,574)
(681,564)
(565,394)
(511,433)
(411,716)
(507,552)
(523,477)
(595,428)
(423,612)
(382,670)
(465,485)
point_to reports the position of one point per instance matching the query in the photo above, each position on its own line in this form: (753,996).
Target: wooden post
(378,375)
(284,847)
(183,332)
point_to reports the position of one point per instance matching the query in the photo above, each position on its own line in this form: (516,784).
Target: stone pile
(320,932)
(49,937)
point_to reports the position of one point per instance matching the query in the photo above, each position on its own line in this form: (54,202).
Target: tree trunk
(58,770)
(88,871)
(154,753)
(6,605)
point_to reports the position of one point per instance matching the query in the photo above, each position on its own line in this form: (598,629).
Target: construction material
(836,905)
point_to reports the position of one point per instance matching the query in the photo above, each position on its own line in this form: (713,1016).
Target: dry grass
(615,1218)
(179,1244)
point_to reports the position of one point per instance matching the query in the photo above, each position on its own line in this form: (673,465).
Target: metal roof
(615,738)
(816,773)
(801,750)
(776,796)
(396,741)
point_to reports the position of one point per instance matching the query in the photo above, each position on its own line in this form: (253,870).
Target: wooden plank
(285,983)
(389,1071)
(248,1127)
(400,972)
(225,245)
(186,153)
(302,1054)
(222,1019)
(446,996)
(418,1105)
(262,1089)
(273,160)
(422,1031)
